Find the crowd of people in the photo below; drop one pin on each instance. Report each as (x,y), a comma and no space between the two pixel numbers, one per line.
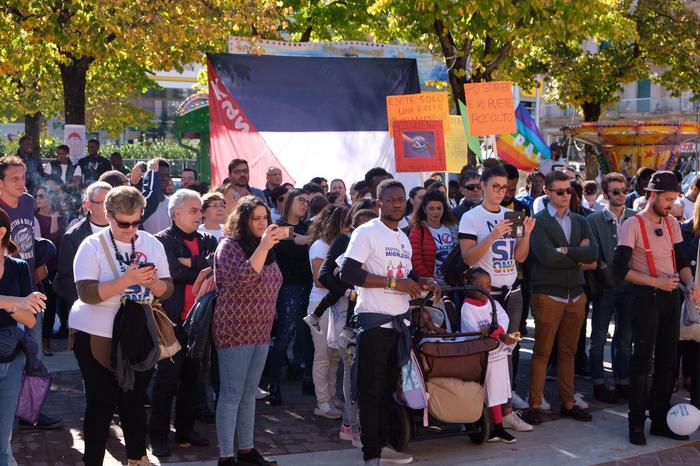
(261,282)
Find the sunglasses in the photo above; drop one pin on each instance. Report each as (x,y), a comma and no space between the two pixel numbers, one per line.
(471,187)
(562,191)
(617,192)
(125,225)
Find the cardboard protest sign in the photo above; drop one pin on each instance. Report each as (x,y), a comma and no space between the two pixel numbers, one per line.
(491,108)
(424,106)
(419,145)
(455,146)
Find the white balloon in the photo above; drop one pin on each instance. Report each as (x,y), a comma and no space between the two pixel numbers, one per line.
(683,419)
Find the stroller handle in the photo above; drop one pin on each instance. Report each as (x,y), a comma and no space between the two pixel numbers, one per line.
(466,288)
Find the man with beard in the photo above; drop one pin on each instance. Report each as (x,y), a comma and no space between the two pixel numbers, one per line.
(650,256)
(239,175)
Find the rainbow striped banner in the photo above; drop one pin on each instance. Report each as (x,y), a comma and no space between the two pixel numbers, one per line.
(525,148)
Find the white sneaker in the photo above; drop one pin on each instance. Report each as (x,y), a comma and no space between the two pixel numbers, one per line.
(327,411)
(356,440)
(544,406)
(313,322)
(579,401)
(345,432)
(517,401)
(261,394)
(391,456)
(515,422)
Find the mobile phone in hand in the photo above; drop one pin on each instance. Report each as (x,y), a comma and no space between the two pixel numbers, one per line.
(517,219)
(286,232)
(144,265)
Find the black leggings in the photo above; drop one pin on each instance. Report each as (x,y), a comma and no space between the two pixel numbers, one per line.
(102,394)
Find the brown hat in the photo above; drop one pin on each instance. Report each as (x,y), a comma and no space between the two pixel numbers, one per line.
(664,181)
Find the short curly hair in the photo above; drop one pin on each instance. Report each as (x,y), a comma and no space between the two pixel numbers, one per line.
(124,200)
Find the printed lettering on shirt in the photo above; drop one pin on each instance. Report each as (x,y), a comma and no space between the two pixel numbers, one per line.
(502,252)
(137,293)
(23,235)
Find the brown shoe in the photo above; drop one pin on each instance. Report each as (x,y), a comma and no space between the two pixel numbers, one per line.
(533,416)
(576,413)
(602,393)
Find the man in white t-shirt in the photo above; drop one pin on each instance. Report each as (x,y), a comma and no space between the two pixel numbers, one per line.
(378,263)
(687,200)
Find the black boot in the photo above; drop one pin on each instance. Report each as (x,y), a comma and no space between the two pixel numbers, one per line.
(275,396)
(254,458)
(229,461)
(637,435)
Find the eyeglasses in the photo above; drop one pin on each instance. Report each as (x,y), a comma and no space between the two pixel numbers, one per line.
(303,200)
(126,225)
(499,188)
(560,192)
(617,192)
(471,187)
(96,203)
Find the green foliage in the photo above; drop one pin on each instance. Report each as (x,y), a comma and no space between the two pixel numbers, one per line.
(139,151)
(650,39)
(58,56)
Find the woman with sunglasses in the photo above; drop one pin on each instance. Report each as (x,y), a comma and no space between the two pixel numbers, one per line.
(119,263)
(52,226)
(486,241)
(293,300)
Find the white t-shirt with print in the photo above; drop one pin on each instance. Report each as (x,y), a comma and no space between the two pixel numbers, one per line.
(318,250)
(499,260)
(444,242)
(91,263)
(384,252)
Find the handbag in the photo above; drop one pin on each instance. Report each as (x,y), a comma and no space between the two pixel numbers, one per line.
(168,343)
(32,396)
(454,268)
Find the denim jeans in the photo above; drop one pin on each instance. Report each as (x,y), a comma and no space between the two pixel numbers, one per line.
(609,303)
(292,303)
(10,384)
(240,368)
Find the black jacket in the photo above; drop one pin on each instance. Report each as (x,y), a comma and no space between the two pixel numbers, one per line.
(200,343)
(173,240)
(64,283)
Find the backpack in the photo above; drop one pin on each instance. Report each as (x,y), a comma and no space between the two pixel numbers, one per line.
(454,268)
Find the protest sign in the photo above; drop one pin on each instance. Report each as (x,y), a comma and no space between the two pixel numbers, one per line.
(425,106)
(491,108)
(419,145)
(74,138)
(455,145)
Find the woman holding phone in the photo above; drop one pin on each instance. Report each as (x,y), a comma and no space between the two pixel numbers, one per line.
(119,263)
(248,280)
(486,241)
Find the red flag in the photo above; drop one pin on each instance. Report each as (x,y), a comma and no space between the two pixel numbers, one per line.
(233,135)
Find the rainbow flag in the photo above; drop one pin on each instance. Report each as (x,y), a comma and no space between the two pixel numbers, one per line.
(525,148)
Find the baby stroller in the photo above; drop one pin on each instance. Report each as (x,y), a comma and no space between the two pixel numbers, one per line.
(453,366)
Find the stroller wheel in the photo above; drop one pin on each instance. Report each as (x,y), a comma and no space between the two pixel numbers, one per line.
(480,430)
(399,434)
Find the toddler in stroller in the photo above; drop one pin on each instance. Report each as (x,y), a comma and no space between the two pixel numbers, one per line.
(476,317)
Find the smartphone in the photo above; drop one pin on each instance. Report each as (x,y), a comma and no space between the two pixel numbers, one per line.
(517,219)
(144,265)
(286,232)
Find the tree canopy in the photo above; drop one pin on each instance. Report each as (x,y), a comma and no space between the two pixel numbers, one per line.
(69,56)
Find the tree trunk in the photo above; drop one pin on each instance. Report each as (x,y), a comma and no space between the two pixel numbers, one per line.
(74,80)
(33,126)
(591,113)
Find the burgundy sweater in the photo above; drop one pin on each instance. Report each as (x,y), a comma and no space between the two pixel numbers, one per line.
(245,304)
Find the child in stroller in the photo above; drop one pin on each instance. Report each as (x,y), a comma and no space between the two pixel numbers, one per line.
(476,317)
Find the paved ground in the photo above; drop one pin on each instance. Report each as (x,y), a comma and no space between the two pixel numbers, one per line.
(294,436)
